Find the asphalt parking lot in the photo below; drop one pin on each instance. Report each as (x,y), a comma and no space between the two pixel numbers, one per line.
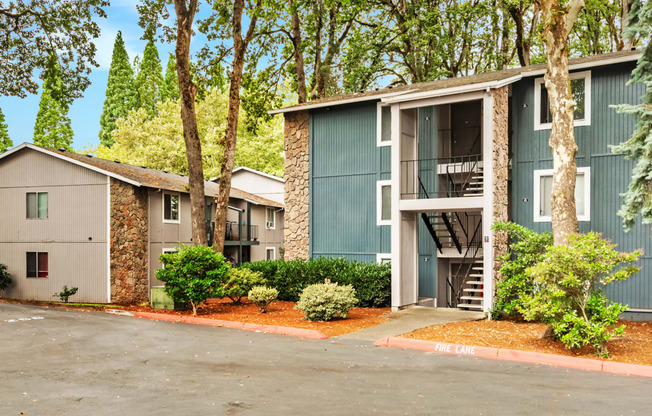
(56,362)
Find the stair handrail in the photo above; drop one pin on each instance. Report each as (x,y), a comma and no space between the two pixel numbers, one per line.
(464,260)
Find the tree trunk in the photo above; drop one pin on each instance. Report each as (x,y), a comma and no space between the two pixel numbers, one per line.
(522,46)
(231,135)
(298,55)
(626,6)
(187,89)
(558,25)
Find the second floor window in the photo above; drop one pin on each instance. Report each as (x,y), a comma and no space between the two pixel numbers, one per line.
(170,208)
(581,91)
(37,205)
(270,218)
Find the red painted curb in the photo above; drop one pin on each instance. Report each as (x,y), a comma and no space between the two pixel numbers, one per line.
(518,356)
(270,329)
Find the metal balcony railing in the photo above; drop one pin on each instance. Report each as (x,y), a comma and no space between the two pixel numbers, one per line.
(446,177)
(241,232)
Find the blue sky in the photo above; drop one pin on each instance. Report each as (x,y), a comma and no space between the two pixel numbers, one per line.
(85,112)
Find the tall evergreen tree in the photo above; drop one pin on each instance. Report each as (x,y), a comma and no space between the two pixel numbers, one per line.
(52,127)
(638,198)
(5,140)
(121,93)
(170,90)
(149,81)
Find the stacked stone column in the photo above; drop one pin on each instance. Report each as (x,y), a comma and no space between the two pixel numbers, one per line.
(500,172)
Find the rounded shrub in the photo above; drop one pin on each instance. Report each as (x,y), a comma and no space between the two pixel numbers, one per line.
(239,282)
(262,296)
(5,277)
(324,301)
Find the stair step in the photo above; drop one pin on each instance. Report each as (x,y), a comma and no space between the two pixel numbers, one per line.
(469,306)
(472,290)
(471,298)
(476,275)
(474,282)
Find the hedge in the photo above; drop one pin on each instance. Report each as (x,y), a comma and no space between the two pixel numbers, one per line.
(371,281)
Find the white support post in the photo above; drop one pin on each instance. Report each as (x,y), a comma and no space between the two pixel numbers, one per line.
(488,195)
(395,212)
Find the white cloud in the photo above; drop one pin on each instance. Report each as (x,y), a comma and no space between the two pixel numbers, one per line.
(105,42)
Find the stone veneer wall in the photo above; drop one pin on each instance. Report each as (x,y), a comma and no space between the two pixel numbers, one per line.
(501,172)
(297,180)
(129,242)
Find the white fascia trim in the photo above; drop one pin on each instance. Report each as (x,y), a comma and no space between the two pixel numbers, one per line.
(536,198)
(585,65)
(69,160)
(379,202)
(383,256)
(257,172)
(471,203)
(379,126)
(586,121)
(108,240)
(178,220)
(338,102)
(252,202)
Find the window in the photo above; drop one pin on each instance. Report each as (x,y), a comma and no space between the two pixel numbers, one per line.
(384,125)
(382,258)
(581,89)
(37,205)
(170,208)
(167,251)
(384,202)
(543,190)
(37,264)
(270,218)
(270,253)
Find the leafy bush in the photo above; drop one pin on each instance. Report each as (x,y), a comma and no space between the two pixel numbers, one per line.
(371,281)
(527,249)
(322,302)
(65,293)
(5,277)
(262,296)
(193,274)
(565,295)
(240,281)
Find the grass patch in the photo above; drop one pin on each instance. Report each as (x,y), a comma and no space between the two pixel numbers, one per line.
(97,305)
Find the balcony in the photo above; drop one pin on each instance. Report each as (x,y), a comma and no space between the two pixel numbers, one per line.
(448,177)
(236,234)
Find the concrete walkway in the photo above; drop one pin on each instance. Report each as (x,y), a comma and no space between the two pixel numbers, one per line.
(414,318)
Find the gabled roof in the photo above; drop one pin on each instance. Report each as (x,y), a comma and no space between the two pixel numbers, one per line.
(138,175)
(257,172)
(493,79)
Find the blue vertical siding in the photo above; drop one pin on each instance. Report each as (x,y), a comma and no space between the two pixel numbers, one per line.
(610,174)
(345,164)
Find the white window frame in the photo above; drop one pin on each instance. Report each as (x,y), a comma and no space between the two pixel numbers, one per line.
(273,249)
(178,220)
(47,208)
(586,171)
(586,121)
(379,126)
(167,251)
(379,202)
(273,222)
(380,257)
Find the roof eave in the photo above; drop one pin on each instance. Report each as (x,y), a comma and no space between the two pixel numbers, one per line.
(375,97)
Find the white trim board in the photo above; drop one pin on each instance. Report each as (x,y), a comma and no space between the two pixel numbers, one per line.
(379,125)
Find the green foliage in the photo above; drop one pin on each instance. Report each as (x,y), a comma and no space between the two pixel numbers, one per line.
(638,198)
(323,302)
(52,127)
(31,31)
(121,93)
(149,81)
(170,87)
(65,293)
(5,140)
(239,283)
(567,290)
(262,296)
(193,274)
(527,249)
(5,277)
(372,282)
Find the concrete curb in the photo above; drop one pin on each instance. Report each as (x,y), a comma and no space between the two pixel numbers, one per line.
(270,329)
(518,356)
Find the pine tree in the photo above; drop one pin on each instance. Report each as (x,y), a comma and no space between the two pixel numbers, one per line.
(121,93)
(52,127)
(149,81)
(170,90)
(5,140)
(638,198)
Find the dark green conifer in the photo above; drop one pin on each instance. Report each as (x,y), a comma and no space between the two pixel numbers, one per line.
(149,81)
(5,140)
(170,90)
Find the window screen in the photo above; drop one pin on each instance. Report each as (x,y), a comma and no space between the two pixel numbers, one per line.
(386,123)
(386,200)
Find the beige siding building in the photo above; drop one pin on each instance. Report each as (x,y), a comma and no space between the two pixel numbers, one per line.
(99,225)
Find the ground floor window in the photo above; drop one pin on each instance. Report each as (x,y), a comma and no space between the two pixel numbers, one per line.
(270,253)
(543,191)
(384,202)
(37,264)
(382,258)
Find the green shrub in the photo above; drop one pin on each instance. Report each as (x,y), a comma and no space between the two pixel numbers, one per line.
(239,282)
(193,274)
(527,249)
(5,277)
(65,293)
(371,281)
(323,302)
(262,296)
(567,291)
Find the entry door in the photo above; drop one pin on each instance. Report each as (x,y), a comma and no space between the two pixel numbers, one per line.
(427,276)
